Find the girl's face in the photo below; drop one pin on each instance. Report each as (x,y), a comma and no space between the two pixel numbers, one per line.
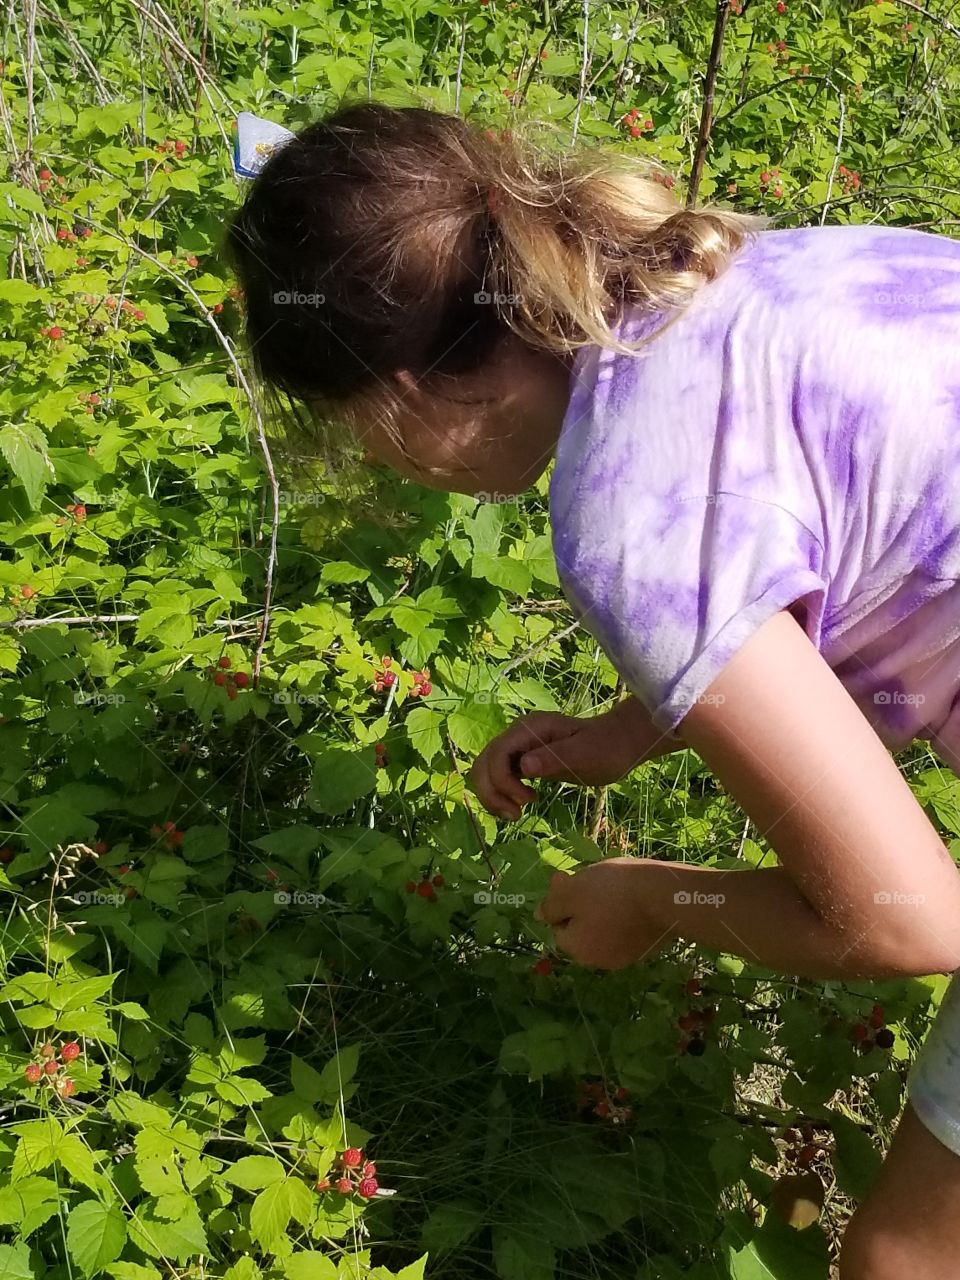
(490,434)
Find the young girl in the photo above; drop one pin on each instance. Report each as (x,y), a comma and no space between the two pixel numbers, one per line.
(755,508)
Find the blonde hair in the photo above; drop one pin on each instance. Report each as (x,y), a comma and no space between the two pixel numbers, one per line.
(399,216)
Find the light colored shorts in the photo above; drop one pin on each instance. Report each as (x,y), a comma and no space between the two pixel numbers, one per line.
(933,1085)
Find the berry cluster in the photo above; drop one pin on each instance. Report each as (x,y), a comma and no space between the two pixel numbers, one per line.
(694,1022)
(126,307)
(178,148)
(381,753)
(768,176)
(53,1069)
(170,832)
(356,1174)
(665,180)
(736,7)
(877,1022)
(46,177)
(804,1147)
(544,966)
(224,678)
(21,593)
(594,1095)
(629,121)
(384,678)
(781,6)
(53,332)
(421,683)
(850,179)
(427,887)
(91,399)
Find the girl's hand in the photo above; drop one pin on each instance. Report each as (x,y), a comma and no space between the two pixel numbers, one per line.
(607,914)
(591,751)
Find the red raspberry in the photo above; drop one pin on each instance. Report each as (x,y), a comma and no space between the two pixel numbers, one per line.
(51,1067)
(241,680)
(220,678)
(179,147)
(379,748)
(765,177)
(176,838)
(344,1186)
(62,233)
(426,688)
(648,123)
(602,1109)
(806,1155)
(369,1169)
(232,692)
(124,869)
(130,892)
(782,46)
(693,987)
(323,1185)
(425,889)
(217,308)
(101,847)
(438,880)
(386,661)
(688,1021)
(79,513)
(877,1020)
(27,591)
(352,1158)
(45,175)
(544,967)
(6,855)
(55,333)
(47,1050)
(621,1094)
(859,1032)
(223,662)
(156,830)
(193,261)
(169,826)
(410,887)
(368,1187)
(388,679)
(781,7)
(777,193)
(635,131)
(33,1073)
(708,1014)
(70,1051)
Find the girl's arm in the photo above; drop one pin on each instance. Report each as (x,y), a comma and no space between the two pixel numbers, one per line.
(865,886)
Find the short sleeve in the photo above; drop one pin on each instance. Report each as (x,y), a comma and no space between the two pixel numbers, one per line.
(674,586)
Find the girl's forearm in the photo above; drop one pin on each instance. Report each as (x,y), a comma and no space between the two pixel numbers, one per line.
(631,718)
(760,914)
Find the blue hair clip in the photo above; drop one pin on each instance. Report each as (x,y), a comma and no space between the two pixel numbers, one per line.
(254,142)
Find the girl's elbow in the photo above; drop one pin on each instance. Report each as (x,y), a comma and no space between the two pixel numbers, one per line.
(917,956)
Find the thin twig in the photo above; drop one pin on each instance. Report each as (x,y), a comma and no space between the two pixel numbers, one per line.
(584,62)
(836,158)
(709,89)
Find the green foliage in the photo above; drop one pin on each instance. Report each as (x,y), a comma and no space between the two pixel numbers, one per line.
(207,887)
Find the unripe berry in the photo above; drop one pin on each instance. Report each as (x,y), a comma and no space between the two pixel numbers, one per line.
(352,1158)
(33,1073)
(344,1186)
(51,1067)
(621,1094)
(70,1051)
(438,880)
(66,1088)
(323,1185)
(47,1050)
(386,661)
(27,591)
(410,887)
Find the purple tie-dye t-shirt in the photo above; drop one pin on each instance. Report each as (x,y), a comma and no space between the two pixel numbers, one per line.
(792,440)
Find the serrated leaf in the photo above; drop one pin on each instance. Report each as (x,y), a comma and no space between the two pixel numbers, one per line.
(15,1262)
(96,1233)
(28,462)
(254,1173)
(340,779)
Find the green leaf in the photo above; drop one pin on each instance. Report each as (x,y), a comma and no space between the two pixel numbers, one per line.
(475,722)
(857,1160)
(340,779)
(95,1235)
(253,1173)
(27,460)
(273,1208)
(15,1262)
(309,1266)
(520,1255)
